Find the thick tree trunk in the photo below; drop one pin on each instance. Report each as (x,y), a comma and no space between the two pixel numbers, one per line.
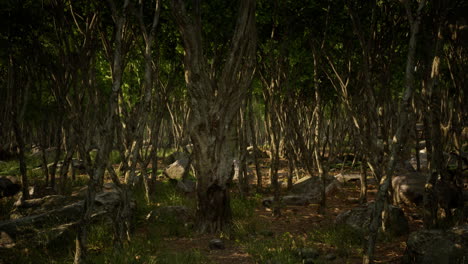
(214,209)
(214,105)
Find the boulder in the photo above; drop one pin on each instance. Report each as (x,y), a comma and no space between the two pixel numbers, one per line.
(175,157)
(359,218)
(178,169)
(292,200)
(8,186)
(216,244)
(437,246)
(34,217)
(310,185)
(408,188)
(348,177)
(186,186)
(177,214)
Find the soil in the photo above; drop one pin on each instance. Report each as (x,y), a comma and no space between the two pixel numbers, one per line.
(298,221)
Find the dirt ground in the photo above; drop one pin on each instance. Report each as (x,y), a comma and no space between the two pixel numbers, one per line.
(298,221)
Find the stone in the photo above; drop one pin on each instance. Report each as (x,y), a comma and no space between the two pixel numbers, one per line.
(291,200)
(437,246)
(33,217)
(177,170)
(359,218)
(186,186)
(308,253)
(330,257)
(9,186)
(409,188)
(348,177)
(178,214)
(216,244)
(175,157)
(310,185)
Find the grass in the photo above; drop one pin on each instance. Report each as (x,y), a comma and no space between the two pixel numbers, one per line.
(279,249)
(345,240)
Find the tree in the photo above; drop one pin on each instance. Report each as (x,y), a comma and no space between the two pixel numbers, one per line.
(215,99)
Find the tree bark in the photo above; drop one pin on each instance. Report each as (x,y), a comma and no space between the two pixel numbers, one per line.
(215,101)
(400,137)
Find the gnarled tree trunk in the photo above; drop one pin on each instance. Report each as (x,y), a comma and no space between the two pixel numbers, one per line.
(215,101)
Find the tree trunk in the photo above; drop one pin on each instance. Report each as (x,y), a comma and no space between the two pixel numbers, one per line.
(254,145)
(214,105)
(363,192)
(21,158)
(437,158)
(400,137)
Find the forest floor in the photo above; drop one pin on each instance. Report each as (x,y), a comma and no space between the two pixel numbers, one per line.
(256,236)
(298,226)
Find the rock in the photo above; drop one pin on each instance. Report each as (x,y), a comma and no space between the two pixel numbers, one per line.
(177,170)
(175,157)
(309,185)
(64,212)
(178,214)
(409,188)
(332,188)
(291,200)
(187,186)
(8,186)
(359,218)
(216,244)
(437,246)
(330,257)
(308,253)
(347,177)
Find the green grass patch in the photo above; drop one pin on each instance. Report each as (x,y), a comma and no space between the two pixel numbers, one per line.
(344,239)
(279,249)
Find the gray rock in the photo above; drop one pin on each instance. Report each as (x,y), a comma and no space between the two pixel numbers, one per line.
(310,185)
(187,186)
(216,244)
(347,177)
(175,157)
(359,218)
(308,253)
(291,200)
(437,246)
(330,257)
(35,216)
(177,170)
(409,188)
(178,214)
